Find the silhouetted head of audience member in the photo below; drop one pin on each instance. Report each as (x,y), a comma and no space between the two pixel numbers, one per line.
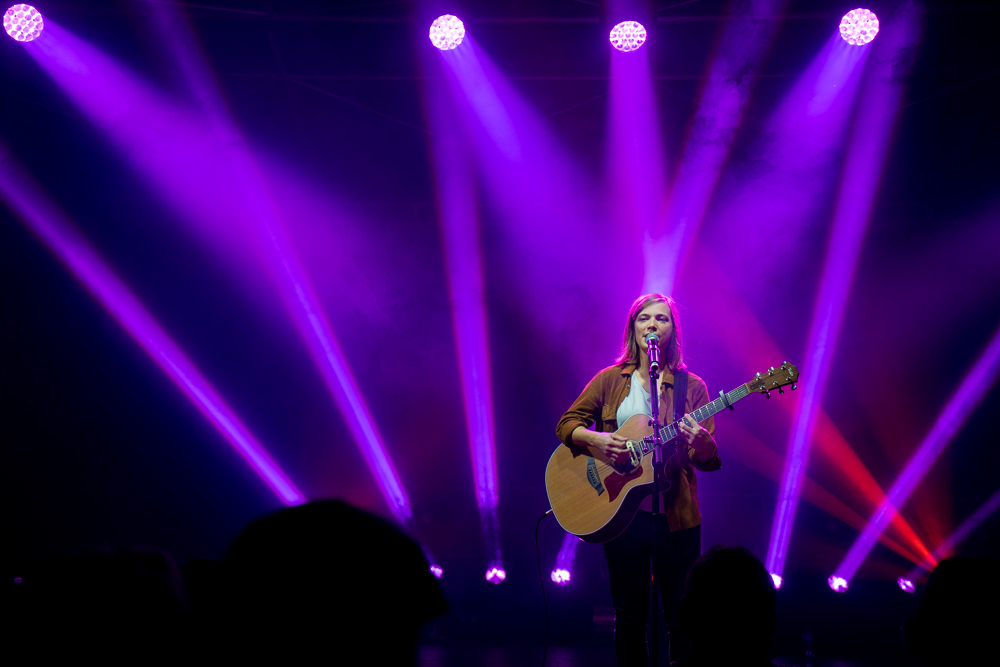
(327,582)
(957,614)
(727,612)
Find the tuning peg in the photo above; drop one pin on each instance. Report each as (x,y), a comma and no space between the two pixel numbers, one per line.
(771,369)
(781,391)
(794,387)
(767,394)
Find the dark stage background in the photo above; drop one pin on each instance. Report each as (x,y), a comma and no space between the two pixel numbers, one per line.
(102,449)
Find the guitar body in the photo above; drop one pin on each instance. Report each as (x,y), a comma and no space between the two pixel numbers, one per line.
(588,496)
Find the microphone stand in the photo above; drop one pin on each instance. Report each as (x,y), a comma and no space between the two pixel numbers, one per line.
(653,353)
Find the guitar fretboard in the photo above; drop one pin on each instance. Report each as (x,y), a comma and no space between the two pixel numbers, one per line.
(671,431)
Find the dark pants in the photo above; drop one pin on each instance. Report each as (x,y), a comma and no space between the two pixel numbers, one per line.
(629,556)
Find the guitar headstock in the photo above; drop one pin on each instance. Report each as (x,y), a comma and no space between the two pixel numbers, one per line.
(774,378)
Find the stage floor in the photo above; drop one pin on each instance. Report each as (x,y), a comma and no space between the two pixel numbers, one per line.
(590,656)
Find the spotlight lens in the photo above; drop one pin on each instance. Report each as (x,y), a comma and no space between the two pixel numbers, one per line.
(560,576)
(628,36)
(838,584)
(776,578)
(496,575)
(23,23)
(437,571)
(859,27)
(447,32)
(906,585)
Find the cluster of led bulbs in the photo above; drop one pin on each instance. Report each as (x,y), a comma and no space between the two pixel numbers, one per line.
(23,23)
(859,26)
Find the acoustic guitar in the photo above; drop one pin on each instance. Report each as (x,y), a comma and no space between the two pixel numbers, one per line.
(596,500)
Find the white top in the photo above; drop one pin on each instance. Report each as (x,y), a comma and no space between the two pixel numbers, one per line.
(636,403)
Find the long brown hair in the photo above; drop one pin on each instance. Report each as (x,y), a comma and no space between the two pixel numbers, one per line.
(630,346)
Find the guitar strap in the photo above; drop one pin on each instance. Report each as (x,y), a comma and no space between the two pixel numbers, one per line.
(680,392)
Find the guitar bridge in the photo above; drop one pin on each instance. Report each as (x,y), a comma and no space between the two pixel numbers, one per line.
(634,448)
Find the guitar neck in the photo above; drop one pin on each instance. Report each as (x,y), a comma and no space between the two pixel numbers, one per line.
(671,431)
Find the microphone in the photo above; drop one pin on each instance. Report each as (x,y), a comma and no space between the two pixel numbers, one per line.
(653,351)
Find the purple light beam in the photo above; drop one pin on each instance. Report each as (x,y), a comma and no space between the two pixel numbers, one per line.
(968,397)
(795,155)
(866,156)
(479,92)
(27,201)
(460,233)
(635,160)
(721,106)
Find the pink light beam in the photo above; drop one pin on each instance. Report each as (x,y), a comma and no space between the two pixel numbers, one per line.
(460,233)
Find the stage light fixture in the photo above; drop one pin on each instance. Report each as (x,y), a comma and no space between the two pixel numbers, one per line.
(859,26)
(564,561)
(628,36)
(838,584)
(23,23)
(906,585)
(496,574)
(437,571)
(447,32)
(776,578)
